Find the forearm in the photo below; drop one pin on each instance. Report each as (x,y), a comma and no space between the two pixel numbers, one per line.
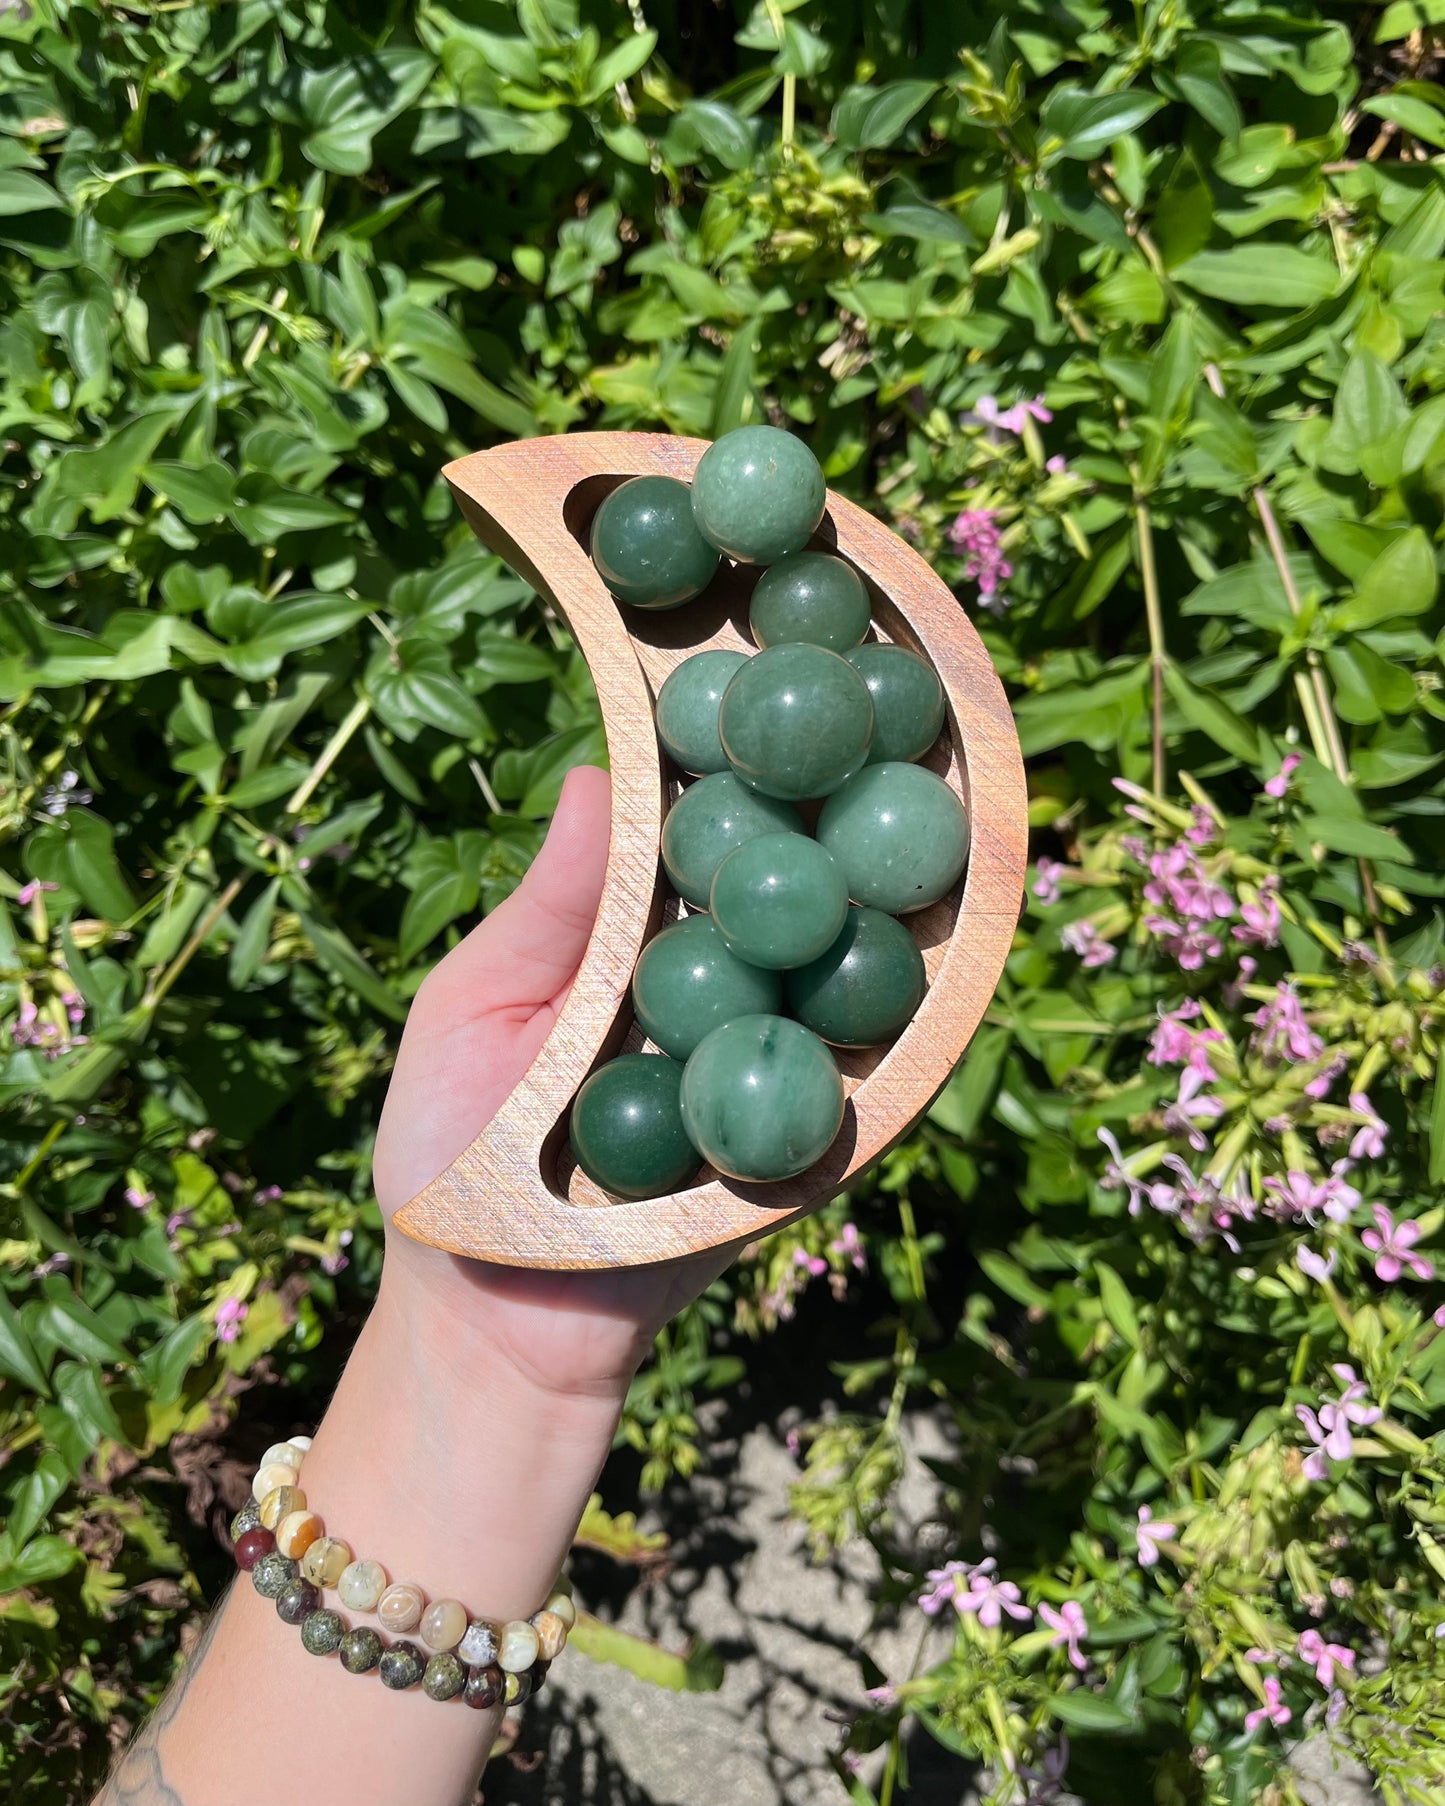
(454,1472)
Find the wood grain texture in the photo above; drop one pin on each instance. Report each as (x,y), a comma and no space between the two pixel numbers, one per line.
(514,1195)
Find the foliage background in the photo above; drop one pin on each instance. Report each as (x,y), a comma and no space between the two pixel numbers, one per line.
(272,730)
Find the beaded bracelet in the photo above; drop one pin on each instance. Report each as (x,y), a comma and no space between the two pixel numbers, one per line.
(284,1547)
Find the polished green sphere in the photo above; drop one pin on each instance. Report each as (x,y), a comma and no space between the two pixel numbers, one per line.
(778,901)
(707,821)
(796,721)
(762,1098)
(907,701)
(687,706)
(627,1131)
(646,546)
(757,494)
(899,834)
(865,987)
(810,596)
(688,982)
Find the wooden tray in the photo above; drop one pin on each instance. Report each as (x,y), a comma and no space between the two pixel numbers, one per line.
(514,1195)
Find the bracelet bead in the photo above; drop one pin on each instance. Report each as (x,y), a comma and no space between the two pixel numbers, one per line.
(300,1442)
(443,1624)
(279,1503)
(297,1531)
(360,1650)
(519,1646)
(322,1631)
(401,1606)
(538,1672)
(272,1474)
(251,1546)
(485,1686)
(247,1518)
(282,1451)
(517,1687)
(402,1665)
(562,1604)
(325,1561)
(361,1585)
(445,1676)
(273,1574)
(551,1633)
(297,1602)
(482,1643)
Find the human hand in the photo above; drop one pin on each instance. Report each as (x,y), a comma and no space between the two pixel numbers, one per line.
(475,1027)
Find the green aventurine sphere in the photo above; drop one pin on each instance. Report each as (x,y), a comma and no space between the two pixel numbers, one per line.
(907,701)
(899,834)
(810,596)
(646,546)
(757,494)
(688,983)
(687,706)
(796,721)
(762,1098)
(778,901)
(707,821)
(627,1131)
(865,987)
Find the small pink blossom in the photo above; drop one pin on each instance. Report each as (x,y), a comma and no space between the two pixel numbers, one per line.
(1283,1030)
(848,1245)
(1184,1116)
(1174,1043)
(1314,1266)
(1084,939)
(1260,920)
(1369,1139)
(990,1598)
(1233,992)
(268,1194)
(814,1263)
(1391,1243)
(53,1264)
(29,892)
(943,1587)
(1324,1657)
(1149,1535)
(1279,783)
(1069,1626)
(793,1443)
(176,1221)
(138,1200)
(1299,1196)
(1329,1429)
(1203,826)
(1057,465)
(976,534)
(1046,884)
(229,1319)
(1049,1775)
(1319,1086)
(884,1697)
(333,1263)
(1273,1709)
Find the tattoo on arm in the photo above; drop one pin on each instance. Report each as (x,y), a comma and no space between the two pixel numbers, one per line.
(139,1776)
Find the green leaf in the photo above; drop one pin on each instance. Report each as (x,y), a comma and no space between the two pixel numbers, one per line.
(1118,1305)
(268,509)
(1210,713)
(248,949)
(1403,580)
(1436,1173)
(1363,839)
(43,1558)
(20,192)
(68,1322)
(18,1360)
(640,1656)
(164,1366)
(334,951)
(1260,275)
(443,891)
(1368,409)
(1420,118)
(1092,1712)
(1086,124)
(350,102)
(32,1497)
(888,112)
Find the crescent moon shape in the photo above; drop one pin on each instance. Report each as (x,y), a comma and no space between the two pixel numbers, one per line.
(514,1195)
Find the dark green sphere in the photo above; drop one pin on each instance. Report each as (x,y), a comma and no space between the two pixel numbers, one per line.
(627,1133)
(907,701)
(707,821)
(757,494)
(360,1650)
(865,987)
(810,596)
(322,1631)
(687,706)
(402,1665)
(899,834)
(796,721)
(762,1098)
(779,901)
(445,1676)
(687,983)
(646,546)
(273,1574)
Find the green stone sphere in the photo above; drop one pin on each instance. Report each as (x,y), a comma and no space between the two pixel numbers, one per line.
(686,712)
(810,596)
(627,1132)
(865,987)
(779,901)
(907,701)
(796,721)
(762,1098)
(402,1665)
(274,1573)
(322,1631)
(899,834)
(360,1650)
(757,494)
(445,1676)
(707,821)
(646,546)
(687,983)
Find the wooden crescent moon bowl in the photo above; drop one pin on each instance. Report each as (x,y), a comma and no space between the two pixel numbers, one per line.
(515,1195)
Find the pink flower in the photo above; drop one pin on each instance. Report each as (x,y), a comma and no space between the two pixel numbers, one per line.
(884,1697)
(1392,1242)
(1279,783)
(1057,465)
(1233,992)
(1319,1085)
(1299,1195)
(793,1443)
(943,1587)
(333,1263)
(975,533)
(1329,1431)
(1116,1173)
(176,1221)
(1369,1140)
(1188,946)
(1010,420)
(1273,1708)
(1324,1657)
(849,1246)
(1203,826)
(268,1194)
(138,1200)
(1189,1110)
(1149,1535)
(1313,1265)
(1053,1766)
(1283,1029)
(1084,939)
(1069,1625)
(1046,884)
(52,1265)
(229,1319)
(990,1598)
(1260,920)
(1174,1043)
(29,892)
(814,1263)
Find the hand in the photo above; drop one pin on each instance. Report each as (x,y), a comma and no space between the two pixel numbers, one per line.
(475,1026)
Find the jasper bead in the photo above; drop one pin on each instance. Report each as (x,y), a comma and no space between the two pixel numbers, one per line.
(401,1606)
(865,987)
(520,1644)
(303,1443)
(779,901)
(279,1503)
(270,1475)
(286,1453)
(273,1574)
(251,1545)
(479,1646)
(360,1650)
(361,1584)
(297,1602)
(687,982)
(517,1687)
(562,1604)
(796,721)
(551,1634)
(899,834)
(757,494)
(686,711)
(484,1687)
(297,1531)
(707,821)
(445,1676)
(626,1130)
(247,1518)
(810,596)
(762,1098)
(402,1665)
(325,1561)
(322,1631)
(647,547)
(907,701)
(443,1624)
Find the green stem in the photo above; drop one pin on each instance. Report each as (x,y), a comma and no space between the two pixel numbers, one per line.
(337,744)
(1155,617)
